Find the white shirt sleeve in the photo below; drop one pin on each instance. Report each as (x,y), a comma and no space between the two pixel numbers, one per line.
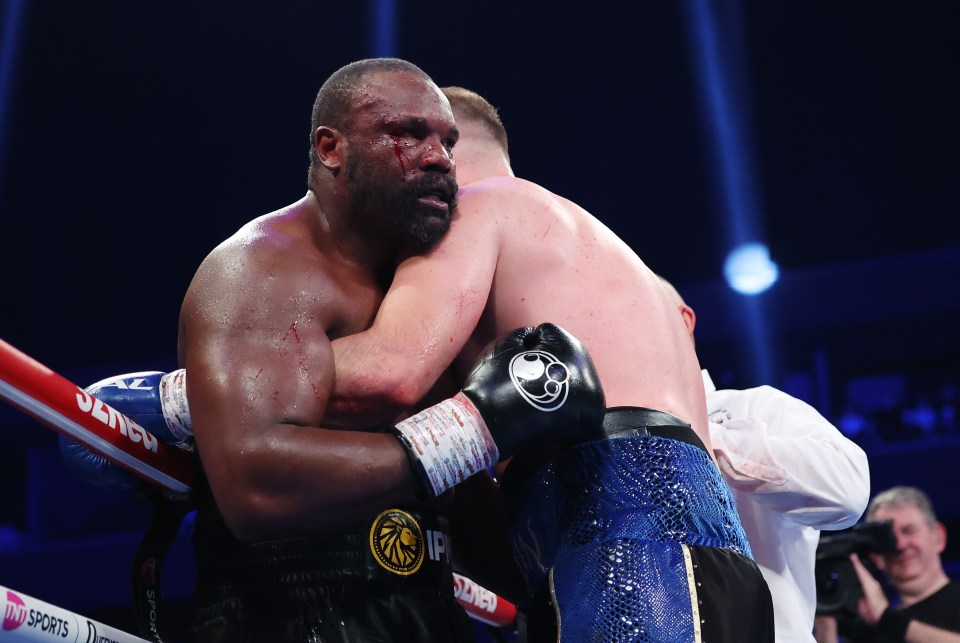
(787,456)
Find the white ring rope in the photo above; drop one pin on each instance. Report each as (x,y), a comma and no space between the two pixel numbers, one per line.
(29,619)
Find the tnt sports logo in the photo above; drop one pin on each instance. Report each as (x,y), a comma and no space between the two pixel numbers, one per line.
(16,612)
(541,379)
(397,542)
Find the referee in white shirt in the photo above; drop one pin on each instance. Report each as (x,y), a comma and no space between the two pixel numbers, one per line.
(793,474)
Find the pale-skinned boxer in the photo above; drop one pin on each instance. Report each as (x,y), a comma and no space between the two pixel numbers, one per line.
(630,538)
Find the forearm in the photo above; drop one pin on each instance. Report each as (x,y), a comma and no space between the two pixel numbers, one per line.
(893,624)
(307,481)
(918,632)
(374,385)
(424,321)
(896,626)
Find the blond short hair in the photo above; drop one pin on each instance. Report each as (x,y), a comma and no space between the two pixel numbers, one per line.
(479,109)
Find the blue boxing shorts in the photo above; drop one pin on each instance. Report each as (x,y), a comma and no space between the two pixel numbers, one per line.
(634,537)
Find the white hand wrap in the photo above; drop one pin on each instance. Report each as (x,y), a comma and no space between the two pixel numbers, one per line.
(449,442)
(173,403)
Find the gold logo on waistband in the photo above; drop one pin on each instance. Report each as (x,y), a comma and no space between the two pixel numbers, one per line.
(396,541)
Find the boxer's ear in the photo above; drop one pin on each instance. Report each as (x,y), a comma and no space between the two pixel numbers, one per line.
(329,144)
(689,318)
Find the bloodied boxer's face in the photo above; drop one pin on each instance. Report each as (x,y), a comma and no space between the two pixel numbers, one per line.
(399,166)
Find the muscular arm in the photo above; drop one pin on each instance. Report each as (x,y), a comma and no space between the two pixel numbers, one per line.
(425,320)
(261,370)
(789,457)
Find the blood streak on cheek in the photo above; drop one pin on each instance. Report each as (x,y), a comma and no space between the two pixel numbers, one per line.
(398,150)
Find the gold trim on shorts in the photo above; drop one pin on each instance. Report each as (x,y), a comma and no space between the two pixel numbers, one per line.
(692,589)
(556,604)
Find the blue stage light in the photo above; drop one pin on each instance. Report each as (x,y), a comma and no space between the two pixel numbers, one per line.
(383,28)
(749,269)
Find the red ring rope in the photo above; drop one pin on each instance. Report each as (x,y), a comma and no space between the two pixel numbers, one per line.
(63,406)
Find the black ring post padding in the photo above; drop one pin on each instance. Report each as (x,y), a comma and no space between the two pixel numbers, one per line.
(148,563)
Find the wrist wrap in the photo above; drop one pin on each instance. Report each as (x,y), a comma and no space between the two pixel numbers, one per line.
(448,443)
(173,404)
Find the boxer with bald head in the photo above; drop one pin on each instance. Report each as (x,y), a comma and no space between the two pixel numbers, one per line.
(313,527)
(255,331)
(629,536)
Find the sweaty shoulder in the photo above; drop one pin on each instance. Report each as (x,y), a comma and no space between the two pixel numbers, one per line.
(269,257)
(531,217)
(508,196)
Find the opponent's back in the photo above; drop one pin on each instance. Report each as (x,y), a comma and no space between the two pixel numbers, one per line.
(556,262)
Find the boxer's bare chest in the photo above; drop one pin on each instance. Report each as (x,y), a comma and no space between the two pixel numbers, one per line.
(346,301)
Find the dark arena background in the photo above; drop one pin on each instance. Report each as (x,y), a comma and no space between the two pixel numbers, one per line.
(134,136)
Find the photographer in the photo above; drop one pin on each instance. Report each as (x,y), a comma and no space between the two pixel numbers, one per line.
(929,609)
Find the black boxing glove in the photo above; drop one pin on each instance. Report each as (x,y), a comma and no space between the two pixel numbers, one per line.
(530,386)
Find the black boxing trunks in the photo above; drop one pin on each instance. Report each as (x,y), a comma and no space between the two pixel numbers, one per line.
(634,537)
(390,580)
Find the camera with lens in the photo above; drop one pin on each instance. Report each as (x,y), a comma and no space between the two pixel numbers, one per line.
(838,588)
